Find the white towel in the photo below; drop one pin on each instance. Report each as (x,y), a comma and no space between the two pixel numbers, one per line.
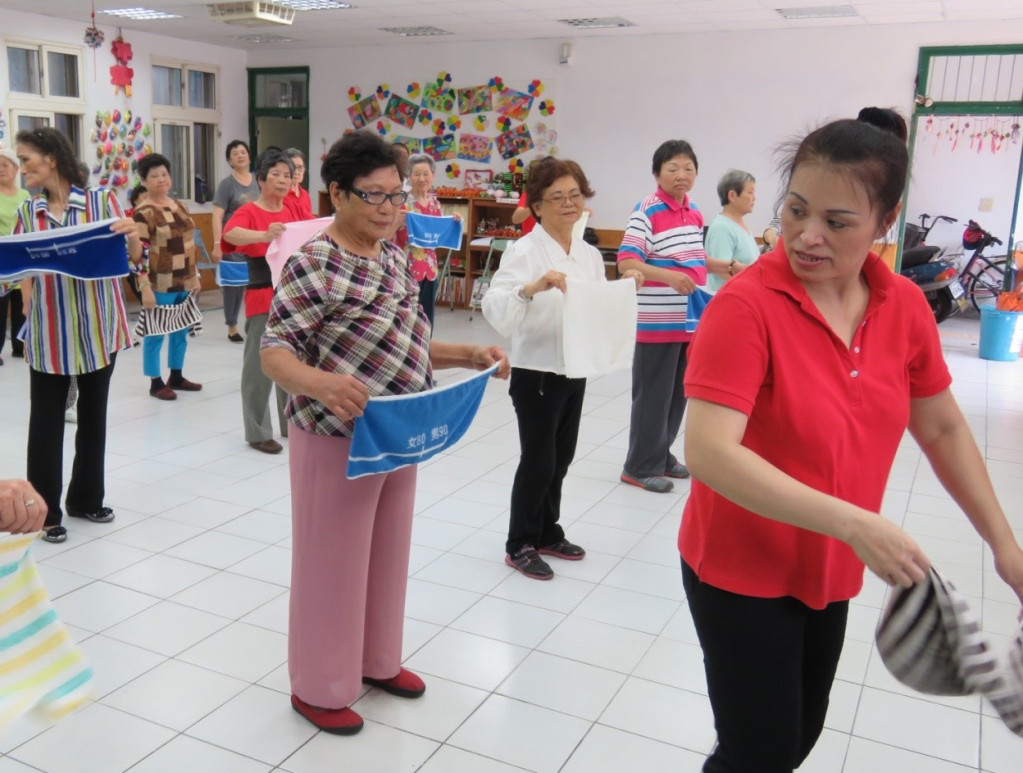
(598,327)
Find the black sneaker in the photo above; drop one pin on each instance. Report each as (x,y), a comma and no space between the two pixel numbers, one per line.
(528,561)
(103,515)
(563,549)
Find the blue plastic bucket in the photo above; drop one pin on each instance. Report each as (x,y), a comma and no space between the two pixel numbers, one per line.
(1001,334)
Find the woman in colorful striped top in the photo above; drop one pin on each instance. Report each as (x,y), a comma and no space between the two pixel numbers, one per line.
(75,329)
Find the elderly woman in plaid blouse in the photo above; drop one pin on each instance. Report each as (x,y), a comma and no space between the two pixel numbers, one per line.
(346,323)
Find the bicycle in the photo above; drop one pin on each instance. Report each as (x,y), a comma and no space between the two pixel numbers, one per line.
(982,276)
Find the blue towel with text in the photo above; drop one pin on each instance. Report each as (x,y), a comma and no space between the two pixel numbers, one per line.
(398,430)
(89,251)
(430,232)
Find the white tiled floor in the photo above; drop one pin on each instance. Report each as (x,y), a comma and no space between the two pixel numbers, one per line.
(181,603)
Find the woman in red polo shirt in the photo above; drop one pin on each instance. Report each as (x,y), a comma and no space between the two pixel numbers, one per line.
(805,372)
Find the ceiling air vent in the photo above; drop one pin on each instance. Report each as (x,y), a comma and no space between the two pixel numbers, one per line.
(252,13)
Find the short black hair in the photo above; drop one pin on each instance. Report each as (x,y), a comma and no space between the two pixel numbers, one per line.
(671,148)
(356,155)
(150,162)
(234,144)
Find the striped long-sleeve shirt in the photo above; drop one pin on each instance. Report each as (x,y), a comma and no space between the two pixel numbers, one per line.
(74,325)
(667,234)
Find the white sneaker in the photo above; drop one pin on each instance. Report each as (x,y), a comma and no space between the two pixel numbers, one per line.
(71,416)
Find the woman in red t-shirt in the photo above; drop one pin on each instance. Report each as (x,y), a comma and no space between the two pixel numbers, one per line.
(249,231)
(804,374)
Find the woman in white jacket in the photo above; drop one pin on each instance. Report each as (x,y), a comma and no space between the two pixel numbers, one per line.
(524,302)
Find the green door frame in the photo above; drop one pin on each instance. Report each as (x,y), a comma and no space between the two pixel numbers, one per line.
(276,112)
(1008,107)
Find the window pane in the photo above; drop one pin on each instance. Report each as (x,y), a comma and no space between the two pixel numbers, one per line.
(281,90)
(71,127)
(30,122)
(175,144)
(62,74)
(166,85)
(204,151)
(23,70)
(202,89)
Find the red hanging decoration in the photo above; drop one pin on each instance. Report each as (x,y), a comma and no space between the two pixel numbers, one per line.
(121,74)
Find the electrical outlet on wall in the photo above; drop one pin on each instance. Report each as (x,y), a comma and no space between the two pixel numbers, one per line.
(986,204)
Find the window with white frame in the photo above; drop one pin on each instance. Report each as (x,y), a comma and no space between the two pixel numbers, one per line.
(44,87)
(186,115)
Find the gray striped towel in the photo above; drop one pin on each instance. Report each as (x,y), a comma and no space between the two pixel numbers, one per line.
(930,640)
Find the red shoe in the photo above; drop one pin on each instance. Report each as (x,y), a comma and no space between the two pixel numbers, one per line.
(404,685)
(184,385)
(337,721)
(163,393)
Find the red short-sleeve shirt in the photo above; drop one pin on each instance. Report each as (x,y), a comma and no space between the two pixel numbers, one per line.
(828,415)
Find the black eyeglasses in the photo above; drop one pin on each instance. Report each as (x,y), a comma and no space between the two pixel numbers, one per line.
(376,198)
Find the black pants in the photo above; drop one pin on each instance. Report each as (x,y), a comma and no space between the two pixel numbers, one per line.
(48,394)
(427,295)
(548,407)
(770,664)
(13,301)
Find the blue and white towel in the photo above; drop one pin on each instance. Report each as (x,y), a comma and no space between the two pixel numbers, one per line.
(398,430)
(431,232)
(90,251)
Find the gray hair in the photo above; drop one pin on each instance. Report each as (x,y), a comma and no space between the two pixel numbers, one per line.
(270,158)
(421,158)
(733,180)
(294,153)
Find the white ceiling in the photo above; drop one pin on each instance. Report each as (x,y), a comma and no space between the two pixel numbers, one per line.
(481,20)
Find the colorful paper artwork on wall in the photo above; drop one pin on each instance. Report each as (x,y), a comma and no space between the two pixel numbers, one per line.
(475,147)
(475,99)
(515,142)
(513,104)
(440,148)
(437,97)
(401,111)
(496,127)
(364,112)
(414,144)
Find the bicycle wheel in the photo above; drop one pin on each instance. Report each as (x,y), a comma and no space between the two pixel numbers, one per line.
(985,286)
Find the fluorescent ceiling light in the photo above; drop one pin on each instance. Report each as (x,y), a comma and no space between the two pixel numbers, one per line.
(140,14)
(265,39)
(605,22)
(315,5)
(818,12)
(416,32)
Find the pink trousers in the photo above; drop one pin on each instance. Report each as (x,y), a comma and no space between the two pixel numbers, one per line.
(349,571)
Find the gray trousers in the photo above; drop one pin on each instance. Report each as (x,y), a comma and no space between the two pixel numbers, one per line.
(233,297)
(658,402)
(256,388)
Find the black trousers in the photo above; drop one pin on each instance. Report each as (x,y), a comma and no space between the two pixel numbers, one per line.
(770,665)
(548,407)
(427,296)
(48,395)
(13,301)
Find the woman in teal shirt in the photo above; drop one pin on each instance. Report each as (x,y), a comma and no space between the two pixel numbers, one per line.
(729,242)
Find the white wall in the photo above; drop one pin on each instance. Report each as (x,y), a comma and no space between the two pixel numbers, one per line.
(952,182)
(99,93)
(733,95)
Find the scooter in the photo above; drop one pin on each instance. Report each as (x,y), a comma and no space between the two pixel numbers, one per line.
(933,269)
